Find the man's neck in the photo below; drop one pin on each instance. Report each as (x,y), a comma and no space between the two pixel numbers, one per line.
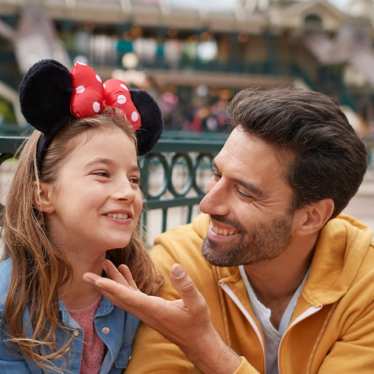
(276,280)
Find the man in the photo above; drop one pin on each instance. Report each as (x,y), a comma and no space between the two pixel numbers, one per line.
(271,279)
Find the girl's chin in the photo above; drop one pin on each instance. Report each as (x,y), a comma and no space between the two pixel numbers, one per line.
(120,244)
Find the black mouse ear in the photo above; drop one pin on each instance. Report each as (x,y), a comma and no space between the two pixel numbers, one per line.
(45,93)
(152,124)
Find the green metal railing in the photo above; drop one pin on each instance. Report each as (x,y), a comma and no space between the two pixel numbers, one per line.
(185,168)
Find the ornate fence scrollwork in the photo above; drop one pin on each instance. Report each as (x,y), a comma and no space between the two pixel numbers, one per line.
(185,168)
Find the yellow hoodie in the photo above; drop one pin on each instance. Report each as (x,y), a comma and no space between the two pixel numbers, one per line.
(332,327)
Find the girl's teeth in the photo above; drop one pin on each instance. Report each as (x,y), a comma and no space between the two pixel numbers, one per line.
(119,217)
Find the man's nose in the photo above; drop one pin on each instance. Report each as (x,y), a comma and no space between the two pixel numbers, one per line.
(215,202)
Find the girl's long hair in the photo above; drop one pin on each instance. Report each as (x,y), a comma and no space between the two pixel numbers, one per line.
(40,269)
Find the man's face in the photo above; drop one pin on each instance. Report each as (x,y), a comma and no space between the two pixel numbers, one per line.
(248,202)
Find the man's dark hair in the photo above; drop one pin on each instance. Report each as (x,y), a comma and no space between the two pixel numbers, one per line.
(329,159)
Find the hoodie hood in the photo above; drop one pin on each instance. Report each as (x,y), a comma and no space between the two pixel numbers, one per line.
(340,252)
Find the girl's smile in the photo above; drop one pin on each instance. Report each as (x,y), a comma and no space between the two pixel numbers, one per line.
(120,217)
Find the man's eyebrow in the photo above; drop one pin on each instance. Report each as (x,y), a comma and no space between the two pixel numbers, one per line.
(109,162)
(251,187)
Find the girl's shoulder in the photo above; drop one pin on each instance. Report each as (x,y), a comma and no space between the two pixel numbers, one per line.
(5,275)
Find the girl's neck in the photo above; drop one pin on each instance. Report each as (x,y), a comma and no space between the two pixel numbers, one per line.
(76,293)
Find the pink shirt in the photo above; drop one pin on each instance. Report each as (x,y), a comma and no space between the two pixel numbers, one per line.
(93,350)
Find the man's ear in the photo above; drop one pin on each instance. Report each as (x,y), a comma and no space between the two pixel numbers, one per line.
(312,217)
(43,197)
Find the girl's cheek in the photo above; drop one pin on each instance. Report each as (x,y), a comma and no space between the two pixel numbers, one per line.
(140,205)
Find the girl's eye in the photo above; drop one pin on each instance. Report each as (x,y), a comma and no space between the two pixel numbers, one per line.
(101,173)
(134,180)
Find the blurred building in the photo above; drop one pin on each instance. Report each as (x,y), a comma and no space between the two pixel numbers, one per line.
(194,55)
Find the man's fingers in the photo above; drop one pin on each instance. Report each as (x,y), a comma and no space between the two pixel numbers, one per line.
(91,278)
(125,271)
(113,273)
(182,282)
(130,299)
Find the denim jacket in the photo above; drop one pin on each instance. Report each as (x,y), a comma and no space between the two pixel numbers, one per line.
(115,328)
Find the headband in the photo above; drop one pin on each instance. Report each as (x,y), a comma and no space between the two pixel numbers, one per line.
(52,97)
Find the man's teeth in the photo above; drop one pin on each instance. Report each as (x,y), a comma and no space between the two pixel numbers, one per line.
(118,216)
(224,232)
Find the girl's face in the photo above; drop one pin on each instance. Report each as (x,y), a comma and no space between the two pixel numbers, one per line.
(96,201)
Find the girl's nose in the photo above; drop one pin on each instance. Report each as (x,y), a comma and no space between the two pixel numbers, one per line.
(124,191)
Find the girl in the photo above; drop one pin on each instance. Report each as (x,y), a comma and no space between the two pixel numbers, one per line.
(74,201)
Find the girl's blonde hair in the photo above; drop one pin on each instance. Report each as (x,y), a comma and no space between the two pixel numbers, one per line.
(39,269)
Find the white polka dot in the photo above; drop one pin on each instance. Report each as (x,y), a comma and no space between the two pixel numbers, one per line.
(104,85)
(98,78)
(80,89)
(121,99)
(134,116)
(124,87)
(96,106)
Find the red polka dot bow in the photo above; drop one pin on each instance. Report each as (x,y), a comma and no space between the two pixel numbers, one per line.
(90,96)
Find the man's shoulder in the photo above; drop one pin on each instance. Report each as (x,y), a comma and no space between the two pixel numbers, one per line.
(343,265)
(183,243)
(366,269)
(359,248)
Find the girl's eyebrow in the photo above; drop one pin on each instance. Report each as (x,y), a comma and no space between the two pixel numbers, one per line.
(100,160)
(109,162)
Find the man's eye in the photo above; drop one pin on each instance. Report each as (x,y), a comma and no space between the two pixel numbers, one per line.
(244,194)
(215,173)
(216,176)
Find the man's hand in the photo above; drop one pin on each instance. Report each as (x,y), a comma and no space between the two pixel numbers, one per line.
(185,322)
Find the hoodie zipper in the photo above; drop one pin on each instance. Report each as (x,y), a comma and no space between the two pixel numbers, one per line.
(309,312)
(249,318)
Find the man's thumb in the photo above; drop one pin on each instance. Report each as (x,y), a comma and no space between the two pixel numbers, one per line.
(182,282)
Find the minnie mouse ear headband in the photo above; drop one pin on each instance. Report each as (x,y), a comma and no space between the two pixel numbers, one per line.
(51,97)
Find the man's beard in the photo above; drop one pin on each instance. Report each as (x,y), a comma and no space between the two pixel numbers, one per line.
(264,242)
